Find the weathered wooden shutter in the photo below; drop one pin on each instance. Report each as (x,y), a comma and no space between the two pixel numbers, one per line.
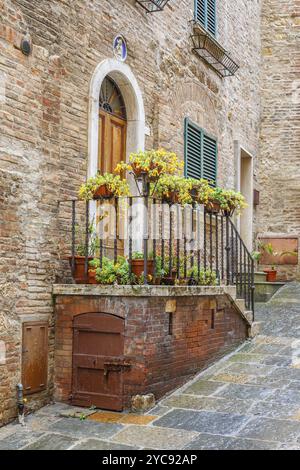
(34,356)
(209,159)
(193,145)
(205,14)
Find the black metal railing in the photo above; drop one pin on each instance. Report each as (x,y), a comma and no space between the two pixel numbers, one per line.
(186,244)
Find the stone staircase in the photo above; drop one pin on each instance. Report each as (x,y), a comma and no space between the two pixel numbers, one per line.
(264,290)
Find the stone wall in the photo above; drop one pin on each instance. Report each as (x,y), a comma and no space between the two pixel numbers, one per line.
(162,356)
(44,120)
(279,169)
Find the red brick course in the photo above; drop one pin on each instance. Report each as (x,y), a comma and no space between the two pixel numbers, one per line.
(203,329)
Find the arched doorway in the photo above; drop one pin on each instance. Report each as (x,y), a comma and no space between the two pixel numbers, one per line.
(112,126)
(126,83)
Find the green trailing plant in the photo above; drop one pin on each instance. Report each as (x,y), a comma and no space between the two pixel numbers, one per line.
(115,185)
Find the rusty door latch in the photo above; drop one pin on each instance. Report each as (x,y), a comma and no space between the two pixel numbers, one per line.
(115,367)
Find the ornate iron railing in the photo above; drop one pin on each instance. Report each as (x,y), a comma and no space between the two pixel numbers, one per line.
(152,6)
(187,245)
(210,50)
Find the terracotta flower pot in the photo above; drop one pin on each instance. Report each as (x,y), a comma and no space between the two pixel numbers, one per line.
(172,197)
(137,267)
(271,275)
(213,207)
(79,271)
(169,280)
(92,276)
(102,192)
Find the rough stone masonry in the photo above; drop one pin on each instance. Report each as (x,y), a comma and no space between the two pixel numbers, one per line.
(44,120)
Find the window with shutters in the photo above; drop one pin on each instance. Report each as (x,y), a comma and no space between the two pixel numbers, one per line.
(200,153)
(205,14)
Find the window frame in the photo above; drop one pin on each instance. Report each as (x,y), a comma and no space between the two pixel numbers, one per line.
(187,122)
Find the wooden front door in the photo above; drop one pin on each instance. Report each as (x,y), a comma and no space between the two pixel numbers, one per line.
(98,362)
(112,145)
(112,126)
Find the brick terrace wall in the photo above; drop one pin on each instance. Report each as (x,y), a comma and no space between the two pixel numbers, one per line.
(44,121)
(279,169)
(160,361)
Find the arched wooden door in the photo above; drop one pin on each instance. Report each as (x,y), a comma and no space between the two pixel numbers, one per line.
(98,361)
(112,142)
(112,127)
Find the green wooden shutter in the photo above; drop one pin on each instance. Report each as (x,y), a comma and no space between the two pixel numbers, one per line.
(205,14)
(200,153)
(211,16)
(209,159)
(193,145)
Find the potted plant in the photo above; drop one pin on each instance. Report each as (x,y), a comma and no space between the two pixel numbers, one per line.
(79,274)
(104,186)
(200,190)
(201,278)
(113,273)
(173,189)
(137,264)
(226,200)
(233,201)
(151,165)
(215,199)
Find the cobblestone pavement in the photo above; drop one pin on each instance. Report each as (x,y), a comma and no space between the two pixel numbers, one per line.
(248,400)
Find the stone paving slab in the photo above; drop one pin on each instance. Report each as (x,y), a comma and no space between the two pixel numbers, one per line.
(245,392)
(82,429)
(203,387)
(271,430)
(19,439)
(95,444)
(51,442)
(154,437)
(213,442)
(208,404)
(202,421)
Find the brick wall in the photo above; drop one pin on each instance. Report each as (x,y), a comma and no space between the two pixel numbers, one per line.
(44,119)
(279,170)
(203,329)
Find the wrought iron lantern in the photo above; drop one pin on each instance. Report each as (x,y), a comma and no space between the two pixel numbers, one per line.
(151,6)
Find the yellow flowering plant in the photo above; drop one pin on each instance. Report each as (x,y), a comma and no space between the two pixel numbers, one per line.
(229,200)
(153,163)
(200,190)
(173,189)
(106,185)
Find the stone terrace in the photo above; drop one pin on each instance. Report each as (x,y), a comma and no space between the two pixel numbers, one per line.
(248,400)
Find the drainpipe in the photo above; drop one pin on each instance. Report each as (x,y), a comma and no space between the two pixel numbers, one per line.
(20,404)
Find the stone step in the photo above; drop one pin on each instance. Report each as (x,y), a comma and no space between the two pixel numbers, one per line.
(249,315)
(264,291)
(241,304)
